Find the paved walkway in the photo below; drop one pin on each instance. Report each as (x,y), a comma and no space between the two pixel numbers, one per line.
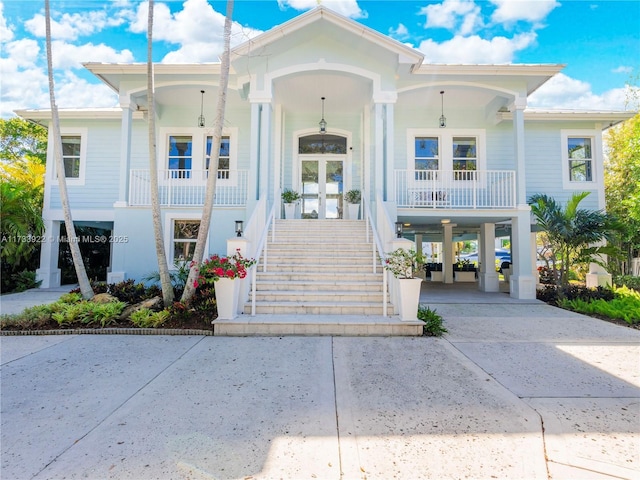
(516,390)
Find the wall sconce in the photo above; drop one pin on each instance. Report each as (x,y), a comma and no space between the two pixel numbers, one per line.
(399,229)
(201,117)
(443,119)
(323,124)
(239,226)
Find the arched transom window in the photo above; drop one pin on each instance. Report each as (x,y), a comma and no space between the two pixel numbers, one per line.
(317,143)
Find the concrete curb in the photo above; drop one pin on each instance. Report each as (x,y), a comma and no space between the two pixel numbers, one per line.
(107,331)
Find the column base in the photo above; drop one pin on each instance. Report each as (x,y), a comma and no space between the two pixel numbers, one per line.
(522,287)
(488,282)
(49,278)
(595,280)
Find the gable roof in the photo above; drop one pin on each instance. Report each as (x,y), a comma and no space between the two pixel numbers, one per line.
(406,54)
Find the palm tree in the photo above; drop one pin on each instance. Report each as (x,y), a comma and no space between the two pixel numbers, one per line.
(572,231)
(163,267)
(83,279)
(207,209)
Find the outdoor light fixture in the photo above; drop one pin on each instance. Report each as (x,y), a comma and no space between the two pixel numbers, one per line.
(444,221)
(443,119)
(323,124)
(399,229)
(201,117)
(239,225)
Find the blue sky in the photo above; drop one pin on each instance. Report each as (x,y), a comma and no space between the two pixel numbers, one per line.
(599,41)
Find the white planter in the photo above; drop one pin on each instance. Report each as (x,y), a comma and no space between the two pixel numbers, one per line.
(289,211)
(227,291)
(465,276)
(354,209)
(409,298)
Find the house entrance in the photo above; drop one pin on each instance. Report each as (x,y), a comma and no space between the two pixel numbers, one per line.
(322,188)
(322,159)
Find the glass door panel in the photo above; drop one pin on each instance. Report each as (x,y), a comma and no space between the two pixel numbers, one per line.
(322,188)
(333,189)
(310,189)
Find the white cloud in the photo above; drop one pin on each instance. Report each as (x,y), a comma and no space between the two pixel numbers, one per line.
(563,91)
(23,52)
(475,49)
(198,29)
(399,33)
(66,55)
(532,11)
(460,16)
(6,33)
(348,8)
(72,26)
(622,69)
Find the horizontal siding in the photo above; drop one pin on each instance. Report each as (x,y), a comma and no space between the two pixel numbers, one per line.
(100,189)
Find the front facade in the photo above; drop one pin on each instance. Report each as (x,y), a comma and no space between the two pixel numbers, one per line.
(448,150)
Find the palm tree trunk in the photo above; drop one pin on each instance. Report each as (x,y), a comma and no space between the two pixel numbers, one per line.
(207,209)
(163,268)
(83,280)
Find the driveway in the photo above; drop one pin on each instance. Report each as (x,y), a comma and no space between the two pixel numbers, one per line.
(514,391)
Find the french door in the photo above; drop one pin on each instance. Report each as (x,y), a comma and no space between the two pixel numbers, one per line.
(322,187)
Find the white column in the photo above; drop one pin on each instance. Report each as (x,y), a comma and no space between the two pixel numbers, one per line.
(254,150)
(522,283)
(598,275)
(448,254)
(378,154)
(49,273)
(265,148)
(389,153)
(125,150)
(518,132)
(534,257)
(488,277)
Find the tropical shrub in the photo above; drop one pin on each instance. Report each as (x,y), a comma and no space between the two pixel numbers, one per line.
(146,318)
(552,294)
(627,281)
(352,196)
(432,322)
(625,306)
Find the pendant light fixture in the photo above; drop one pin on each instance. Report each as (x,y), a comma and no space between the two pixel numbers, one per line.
(443,119)
(201,117)
(323,124)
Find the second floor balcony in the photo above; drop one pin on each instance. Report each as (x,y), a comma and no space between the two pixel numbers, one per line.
(455,189)
(188,187)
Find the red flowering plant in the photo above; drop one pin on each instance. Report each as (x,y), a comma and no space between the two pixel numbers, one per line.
(216,267)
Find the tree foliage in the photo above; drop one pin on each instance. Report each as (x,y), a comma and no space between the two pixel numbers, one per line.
(22,141)
(622,187)
(572,232)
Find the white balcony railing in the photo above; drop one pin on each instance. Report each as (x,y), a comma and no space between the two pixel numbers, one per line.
(188,187)
(457,189)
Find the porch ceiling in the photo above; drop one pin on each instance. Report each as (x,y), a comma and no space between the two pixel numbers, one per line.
(302,92)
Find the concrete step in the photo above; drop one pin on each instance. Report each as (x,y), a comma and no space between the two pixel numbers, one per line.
(327,325)
(312,296)
(322,277)
(318,308)
(310,285)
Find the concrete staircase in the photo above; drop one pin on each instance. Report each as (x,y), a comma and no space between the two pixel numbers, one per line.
(319,281)
(319,267)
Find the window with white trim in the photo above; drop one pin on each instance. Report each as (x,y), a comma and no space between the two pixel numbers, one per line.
(426,159)
(580,158)
(185,234)
(180,156)
(224,160)
(71,155)
(74,155)
(465,157)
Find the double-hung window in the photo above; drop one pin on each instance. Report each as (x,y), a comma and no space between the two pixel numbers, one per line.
(580,157)
(180,156)
(224,160)
(426,157)
(185,234)
(465,157)
(71,155)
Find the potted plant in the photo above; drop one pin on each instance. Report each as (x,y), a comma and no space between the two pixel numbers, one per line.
(464,271)
(403,264)
(289,197)
(353,197)
(222,273)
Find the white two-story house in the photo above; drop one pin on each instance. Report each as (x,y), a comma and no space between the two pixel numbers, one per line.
(444,149)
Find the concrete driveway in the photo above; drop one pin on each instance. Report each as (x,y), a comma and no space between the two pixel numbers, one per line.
(514,391)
